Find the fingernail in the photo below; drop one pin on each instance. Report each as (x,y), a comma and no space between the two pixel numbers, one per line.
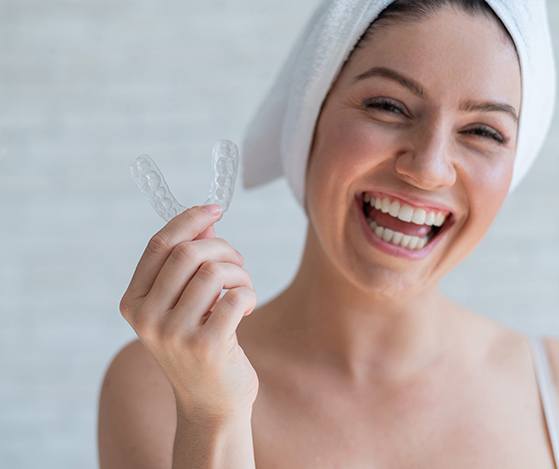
(213,209)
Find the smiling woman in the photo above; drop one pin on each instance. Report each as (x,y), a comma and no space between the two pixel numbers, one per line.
(424,122)
(429,153)
(401,128)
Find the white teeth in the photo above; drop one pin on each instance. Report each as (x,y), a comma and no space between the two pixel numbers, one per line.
(397,238)
(385,205)
(406,212)
(430,218)
(387,235)
(394,208)
(419,216)
(439,220)
(405,241)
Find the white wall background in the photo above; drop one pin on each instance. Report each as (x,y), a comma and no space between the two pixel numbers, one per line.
(85,86)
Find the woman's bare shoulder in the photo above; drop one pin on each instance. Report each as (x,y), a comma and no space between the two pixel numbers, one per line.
(552,349)
(551,346)
(137,414)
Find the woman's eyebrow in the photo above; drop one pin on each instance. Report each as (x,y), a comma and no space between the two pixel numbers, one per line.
(385,72)
(418,90)
(489,106)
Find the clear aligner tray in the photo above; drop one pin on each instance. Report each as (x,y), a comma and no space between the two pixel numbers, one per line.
(149,179)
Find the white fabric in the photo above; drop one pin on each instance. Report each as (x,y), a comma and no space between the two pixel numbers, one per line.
(278,138)
(547,393)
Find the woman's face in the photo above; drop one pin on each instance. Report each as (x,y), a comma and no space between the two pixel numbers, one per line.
(426,143)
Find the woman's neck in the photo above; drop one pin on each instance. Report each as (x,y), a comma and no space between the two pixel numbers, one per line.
(366,335)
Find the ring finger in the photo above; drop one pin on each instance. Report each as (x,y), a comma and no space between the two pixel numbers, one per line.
(203,290)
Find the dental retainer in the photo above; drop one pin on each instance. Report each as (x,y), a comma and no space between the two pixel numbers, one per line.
(150,180)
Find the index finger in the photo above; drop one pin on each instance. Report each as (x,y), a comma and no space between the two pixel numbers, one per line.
(184,227)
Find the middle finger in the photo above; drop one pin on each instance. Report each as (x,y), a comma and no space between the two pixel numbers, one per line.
(182,264)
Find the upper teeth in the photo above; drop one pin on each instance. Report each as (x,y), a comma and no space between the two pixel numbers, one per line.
(406,212)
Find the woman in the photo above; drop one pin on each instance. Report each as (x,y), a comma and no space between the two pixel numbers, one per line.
(361,362)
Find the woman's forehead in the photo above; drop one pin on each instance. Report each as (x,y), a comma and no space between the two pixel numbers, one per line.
(449,52)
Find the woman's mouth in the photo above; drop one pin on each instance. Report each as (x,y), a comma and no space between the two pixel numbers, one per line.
(400,229)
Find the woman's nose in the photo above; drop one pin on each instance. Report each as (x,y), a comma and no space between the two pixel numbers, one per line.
(428,163)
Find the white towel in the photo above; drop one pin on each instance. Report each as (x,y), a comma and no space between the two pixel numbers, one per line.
(278,138)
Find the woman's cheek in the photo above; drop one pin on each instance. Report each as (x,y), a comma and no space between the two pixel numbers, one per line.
(490,182)
(362,140)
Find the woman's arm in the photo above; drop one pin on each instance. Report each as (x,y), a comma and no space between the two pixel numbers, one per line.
(207,445)
(552,349)
(137,413)
(140,425)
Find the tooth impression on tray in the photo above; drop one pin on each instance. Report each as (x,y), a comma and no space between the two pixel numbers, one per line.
(149,179)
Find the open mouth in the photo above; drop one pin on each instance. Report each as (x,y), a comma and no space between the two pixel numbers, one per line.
(396,228)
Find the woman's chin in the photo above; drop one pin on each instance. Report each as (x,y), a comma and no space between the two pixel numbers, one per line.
(379,279)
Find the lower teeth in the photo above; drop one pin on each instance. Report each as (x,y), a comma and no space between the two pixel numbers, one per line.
(396,238)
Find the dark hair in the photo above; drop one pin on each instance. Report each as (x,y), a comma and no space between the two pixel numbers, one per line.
(415,10)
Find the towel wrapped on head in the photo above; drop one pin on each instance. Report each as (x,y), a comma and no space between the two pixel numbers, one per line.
(278,139)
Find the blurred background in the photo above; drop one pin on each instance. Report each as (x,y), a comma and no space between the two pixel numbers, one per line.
(85,87)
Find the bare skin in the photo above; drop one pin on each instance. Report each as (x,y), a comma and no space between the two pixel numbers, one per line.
(368,364)
(475,406)
(362,361)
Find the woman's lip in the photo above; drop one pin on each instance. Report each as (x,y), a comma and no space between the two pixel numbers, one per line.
(399,251)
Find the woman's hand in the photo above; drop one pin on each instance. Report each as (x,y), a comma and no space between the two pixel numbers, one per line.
(173,304)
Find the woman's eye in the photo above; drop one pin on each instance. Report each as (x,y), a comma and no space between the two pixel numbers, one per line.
(389,106)
(385,106)
(488,133)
